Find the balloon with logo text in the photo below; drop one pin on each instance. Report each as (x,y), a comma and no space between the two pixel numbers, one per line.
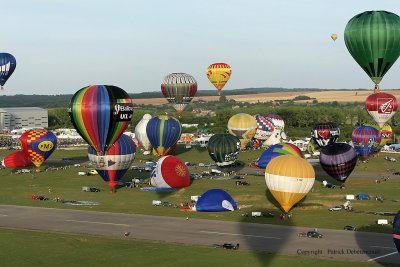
(100,114)
(325,133)
(381,107)
(38,144)
(7,67)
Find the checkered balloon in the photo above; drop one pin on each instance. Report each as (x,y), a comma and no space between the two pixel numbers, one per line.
(38,144)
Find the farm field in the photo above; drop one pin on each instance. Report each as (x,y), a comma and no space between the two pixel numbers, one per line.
(311,212)
(321,96)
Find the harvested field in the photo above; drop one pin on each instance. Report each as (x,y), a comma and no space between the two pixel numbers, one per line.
(321,96)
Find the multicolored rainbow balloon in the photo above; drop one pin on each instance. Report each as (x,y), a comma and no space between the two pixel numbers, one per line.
(100,114)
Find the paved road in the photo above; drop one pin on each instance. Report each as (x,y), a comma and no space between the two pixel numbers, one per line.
(251,236)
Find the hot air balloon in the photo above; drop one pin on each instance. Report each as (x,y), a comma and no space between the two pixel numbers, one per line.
(219,74)
(170,172)
(385,133)
(117,160)
(38,144)
(215,200)
(334,37)
(140,132)
(276,151)
(289,178)
(365,139)
(373,40)
(16,160)
(100,114)
(276,120)
(338,160)
(224,149)
(7,67)
(243,126)
(313,148)
(265,127)
(381,107)
(278,133)
(396,231)
(325,133)
(163,132)
(179,89)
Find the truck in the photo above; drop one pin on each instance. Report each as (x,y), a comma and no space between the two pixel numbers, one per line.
(256,214)
(382,221)
(82,173)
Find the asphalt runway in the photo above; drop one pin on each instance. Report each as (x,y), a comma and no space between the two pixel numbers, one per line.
(336,244)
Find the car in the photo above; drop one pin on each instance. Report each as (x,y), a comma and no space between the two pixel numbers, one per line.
(335,208)
(93,172)
(25,171)
(148,169)
(330,186)
(314,234)
(94,189)
(195,176)
(227,246)
(167,204)
(350,228)
(396,173)
(230,246)
(363,196)
(134,168)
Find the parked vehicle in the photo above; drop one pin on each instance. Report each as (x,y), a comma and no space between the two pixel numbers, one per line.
(350,228)
(314,234)
(82,173)
(227,246)
(93,172)
(363,196)
(335,208)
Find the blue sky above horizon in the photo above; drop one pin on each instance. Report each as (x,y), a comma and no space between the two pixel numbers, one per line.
(62,46)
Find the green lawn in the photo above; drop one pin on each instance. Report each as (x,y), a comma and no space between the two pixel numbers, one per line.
(311,212)
(31,248)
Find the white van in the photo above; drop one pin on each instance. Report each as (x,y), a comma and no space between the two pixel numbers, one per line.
(350,197)
(382,221)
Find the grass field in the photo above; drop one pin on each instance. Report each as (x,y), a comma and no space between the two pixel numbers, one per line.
(311,212)
(30,248)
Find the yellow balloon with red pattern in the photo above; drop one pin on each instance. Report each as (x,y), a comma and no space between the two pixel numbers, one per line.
(219,74)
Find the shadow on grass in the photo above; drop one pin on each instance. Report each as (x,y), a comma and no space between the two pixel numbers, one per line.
(266,238)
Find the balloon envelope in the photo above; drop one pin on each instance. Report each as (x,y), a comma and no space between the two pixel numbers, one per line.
(276,151)
(179,89)
(313,148)
(373,40)
(38,144)
(289,178)
(163,132)
(265,127)
(385,133)
(219,74)
(224,149)
(16,160)
(100,114)
(325,133)
(243,126)
(276,120)
(7,67)
(215,200)
(113,165)
(334,37)
(396,231)
(381,107)
(365,140)
(170,172)
(140,132)
(338,160)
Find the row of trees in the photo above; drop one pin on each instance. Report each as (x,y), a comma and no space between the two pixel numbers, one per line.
(299,118)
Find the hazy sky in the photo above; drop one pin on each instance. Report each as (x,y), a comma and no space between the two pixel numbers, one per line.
(62,46)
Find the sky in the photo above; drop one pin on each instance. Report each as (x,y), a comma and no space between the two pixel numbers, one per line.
(62,46)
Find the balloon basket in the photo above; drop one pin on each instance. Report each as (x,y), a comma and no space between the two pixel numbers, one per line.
(37,170)
(112,191)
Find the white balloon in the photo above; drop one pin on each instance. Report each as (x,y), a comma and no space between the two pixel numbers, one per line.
(140,132)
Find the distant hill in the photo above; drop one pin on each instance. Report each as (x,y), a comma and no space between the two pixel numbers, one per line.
(54,101)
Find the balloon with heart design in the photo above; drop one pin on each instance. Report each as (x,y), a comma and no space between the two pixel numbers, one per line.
(325,133)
